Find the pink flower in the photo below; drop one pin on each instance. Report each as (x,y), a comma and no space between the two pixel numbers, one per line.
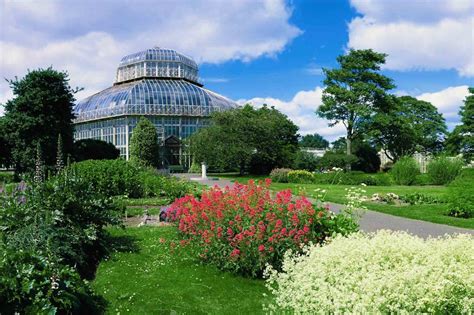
(235,253)
(261,248)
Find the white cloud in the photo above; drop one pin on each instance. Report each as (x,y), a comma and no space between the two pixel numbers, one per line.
(448,101)
(88,38)
(301,110)
(416,34)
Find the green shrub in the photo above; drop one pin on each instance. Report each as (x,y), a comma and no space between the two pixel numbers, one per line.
(422,180)
(195,168)
(419,199)
(6,177)
(340,160)
(111,177)
(280,175)
(305,161)
(93,149)
(404,172)
(155,185)
(32,283)
(352,178)
(300,177)
(461,195)
(380,273)
(443,170)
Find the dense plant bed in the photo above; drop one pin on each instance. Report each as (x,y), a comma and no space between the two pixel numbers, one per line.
(461,195)
(384,273)
(241,229)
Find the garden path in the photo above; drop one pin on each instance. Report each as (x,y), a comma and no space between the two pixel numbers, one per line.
(370,221)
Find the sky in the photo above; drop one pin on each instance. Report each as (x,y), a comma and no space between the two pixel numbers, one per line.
(268,51)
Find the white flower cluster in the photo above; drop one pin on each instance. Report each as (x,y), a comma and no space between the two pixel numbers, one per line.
(389,198)
(355,197)
(385,272)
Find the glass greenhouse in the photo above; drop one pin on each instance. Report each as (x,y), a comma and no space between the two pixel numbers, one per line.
(160,84)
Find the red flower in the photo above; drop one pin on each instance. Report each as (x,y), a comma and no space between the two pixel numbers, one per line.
(261,248)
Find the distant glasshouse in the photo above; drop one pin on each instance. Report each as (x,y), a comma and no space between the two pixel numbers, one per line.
(160,84)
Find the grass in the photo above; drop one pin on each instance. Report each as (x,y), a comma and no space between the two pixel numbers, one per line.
(336,193)
(145,276)
(138,211)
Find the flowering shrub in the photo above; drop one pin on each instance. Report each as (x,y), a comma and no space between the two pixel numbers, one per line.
(381,273)
(300,177)
(280,175)
(241,229)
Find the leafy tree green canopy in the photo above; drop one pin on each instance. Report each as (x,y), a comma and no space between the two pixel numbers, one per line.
(40,110)
(314,141)
(144,147)
(409,125)
(246,139)
(354,91)
(92,149)
(467,127)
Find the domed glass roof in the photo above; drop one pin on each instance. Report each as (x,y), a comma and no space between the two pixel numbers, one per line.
(157,63)
(155,81)
(152,97)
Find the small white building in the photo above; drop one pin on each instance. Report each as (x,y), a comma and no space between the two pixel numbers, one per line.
(315,151)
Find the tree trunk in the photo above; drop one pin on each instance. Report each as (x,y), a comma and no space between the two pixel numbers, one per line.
(348,150)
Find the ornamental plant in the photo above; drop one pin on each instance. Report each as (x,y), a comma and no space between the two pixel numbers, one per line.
(381,273)
(242,229)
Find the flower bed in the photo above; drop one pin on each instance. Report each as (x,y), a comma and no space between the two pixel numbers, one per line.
(381,273)
(241,229)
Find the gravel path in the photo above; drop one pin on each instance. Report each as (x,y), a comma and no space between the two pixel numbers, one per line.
(371,221)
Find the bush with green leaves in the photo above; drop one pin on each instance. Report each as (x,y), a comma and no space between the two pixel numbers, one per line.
(93,149)
(156,185)
(405,170)
(57,228)
(144,147)
(443,170)
(280,175)
(305,161)
(461,195)
(6,177)
(333,159)
(300,177)
(32,283)
(352,178)
(380,273)
(420,199)
(111,177)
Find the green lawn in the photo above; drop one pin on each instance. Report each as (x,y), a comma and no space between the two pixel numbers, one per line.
(145,277)
(336,193)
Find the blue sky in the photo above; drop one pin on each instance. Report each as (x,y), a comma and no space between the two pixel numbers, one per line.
(251,51)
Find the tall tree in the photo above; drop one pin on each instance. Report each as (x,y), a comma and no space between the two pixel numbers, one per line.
(467,127)
(40,110)
(354,91)
(246,138)
(409,125)
(314,141)
(144,147)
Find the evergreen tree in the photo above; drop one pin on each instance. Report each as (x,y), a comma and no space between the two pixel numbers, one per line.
(144,147)
(467,127)
(40,110)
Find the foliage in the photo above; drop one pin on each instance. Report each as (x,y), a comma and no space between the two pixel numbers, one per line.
(58,229)
(195,168)
(40,110)
(92,149)
(110,177)
(368,160)
(5,147)
(418,198)
(409,125)
(31,283)
(349,275)
(305,161)
(461,195)
(144,147)
(300,177)
(241,229)
(352,178)
(314,141)
(443,170)
(280,175)
(245,139)
(156,185)
(333,159)
(354,91)
(467,127)
(6,178)
(404,172)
